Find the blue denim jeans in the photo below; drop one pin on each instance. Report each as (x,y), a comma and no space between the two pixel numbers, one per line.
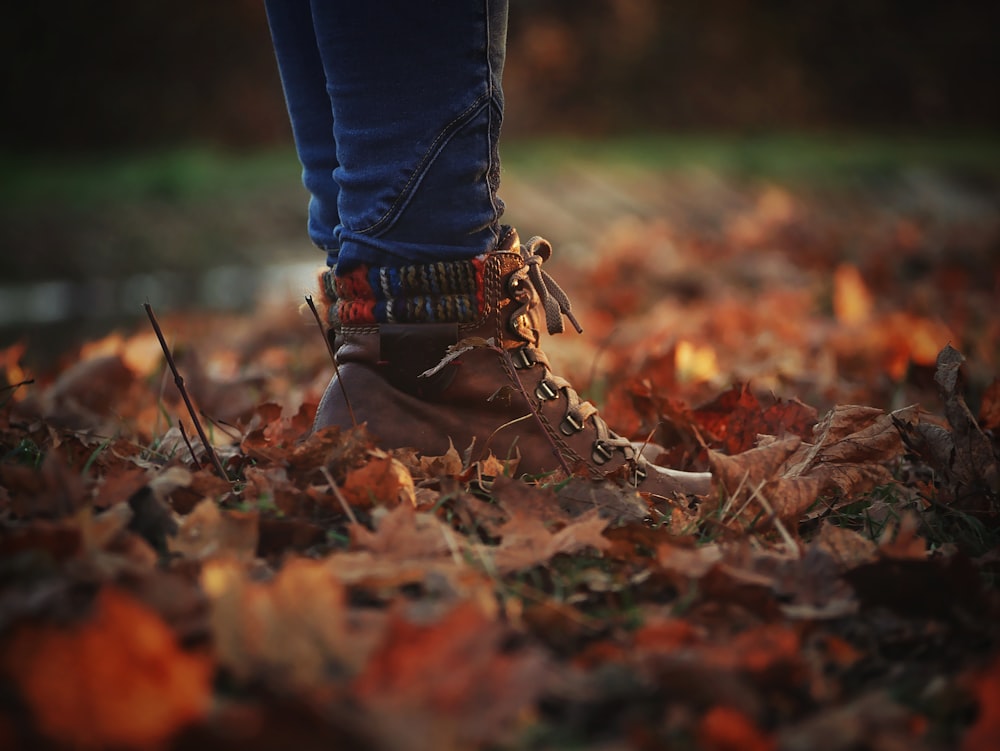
(395,108)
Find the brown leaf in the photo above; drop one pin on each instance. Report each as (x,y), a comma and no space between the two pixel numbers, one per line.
(526,541)
(906,543)
(88,389)
(747,471)
(611,501)
(209,532)
(517,497)
(294,629)
(873,720)
(754,490)
(404,533)
(973,463)
(455,668)
(118,679)
(989,410)
(448,464)
(383,480)
(53,490)
(689,563)
(845,546)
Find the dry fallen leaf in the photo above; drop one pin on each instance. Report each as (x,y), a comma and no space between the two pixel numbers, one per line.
(116,679)
(526,542)
(209,532)
(454,667)
(294,629)
(382,480)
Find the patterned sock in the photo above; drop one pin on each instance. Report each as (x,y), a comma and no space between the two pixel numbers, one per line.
(442,292)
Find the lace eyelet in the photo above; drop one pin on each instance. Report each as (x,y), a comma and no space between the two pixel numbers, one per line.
(545,392)
(571,424)
(602,453)
(639,474)
(522,359)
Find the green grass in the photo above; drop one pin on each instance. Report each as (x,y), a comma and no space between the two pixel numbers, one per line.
(193,174)
(183,175)
(774,156)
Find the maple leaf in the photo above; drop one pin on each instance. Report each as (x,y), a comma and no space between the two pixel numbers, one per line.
(526,541)
(405,533)
(735,419)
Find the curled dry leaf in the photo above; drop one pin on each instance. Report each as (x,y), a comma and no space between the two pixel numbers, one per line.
(782,478)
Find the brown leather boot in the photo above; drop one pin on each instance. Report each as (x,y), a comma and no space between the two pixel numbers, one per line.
(450,352)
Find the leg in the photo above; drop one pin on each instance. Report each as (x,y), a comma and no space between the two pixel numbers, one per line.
(310,113)
(396,111)
(421,263)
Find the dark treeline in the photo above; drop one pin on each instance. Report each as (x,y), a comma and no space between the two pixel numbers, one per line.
(124,75)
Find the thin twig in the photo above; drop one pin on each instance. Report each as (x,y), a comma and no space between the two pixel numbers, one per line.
(14,386)
(782,530)
(333,357)
(339,496)
(179,382)
(194,458)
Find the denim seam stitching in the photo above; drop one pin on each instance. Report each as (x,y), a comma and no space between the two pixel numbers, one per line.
(433,150)
(494,230)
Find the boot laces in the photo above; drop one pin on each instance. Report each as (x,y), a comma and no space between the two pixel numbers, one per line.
(554,300)
(556,305)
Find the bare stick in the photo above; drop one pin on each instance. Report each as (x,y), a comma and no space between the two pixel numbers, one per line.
(184,435)
(333,357)
(15,386)
(339,496)
(179,382)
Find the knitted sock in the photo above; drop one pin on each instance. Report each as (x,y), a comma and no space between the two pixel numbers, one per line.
(443,292)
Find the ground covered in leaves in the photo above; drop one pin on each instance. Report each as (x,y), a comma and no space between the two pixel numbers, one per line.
(832,362)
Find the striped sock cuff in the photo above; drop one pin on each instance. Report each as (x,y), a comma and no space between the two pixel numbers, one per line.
(442,292)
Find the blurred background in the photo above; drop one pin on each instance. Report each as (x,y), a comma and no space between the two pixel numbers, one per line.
(146,155)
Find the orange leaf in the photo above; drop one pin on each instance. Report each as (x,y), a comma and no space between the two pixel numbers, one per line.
(852,302)
(725,729)
(456,668)
(117,680)
(983,735)
(382,481)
